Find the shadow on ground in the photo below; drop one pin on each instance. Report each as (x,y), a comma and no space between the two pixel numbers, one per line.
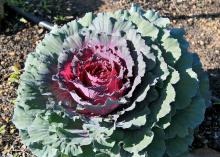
(205,152)
(53,11)
(198,16)
(214,78)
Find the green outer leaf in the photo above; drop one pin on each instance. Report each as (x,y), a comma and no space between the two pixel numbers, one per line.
(46,151)
(155,18)
(137,122)
(203,79)
(186,88)
(147,29)
(157,148)
(187,118)
(38,130)
(102,23)
(178,146)
(135,148)
(86,20)
(165,107)
(21,119)
(172,48)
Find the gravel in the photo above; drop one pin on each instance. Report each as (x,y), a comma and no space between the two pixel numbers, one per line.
(200,19)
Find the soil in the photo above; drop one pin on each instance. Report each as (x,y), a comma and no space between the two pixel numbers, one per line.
(200,20)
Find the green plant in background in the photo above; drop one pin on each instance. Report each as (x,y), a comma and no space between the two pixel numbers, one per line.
(20,3)
(15,75)
(1,11)
(44,5)
(112,84)
(2,129)
(216,100)
(59,18)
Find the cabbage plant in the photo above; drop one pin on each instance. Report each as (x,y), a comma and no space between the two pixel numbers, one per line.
(119,84)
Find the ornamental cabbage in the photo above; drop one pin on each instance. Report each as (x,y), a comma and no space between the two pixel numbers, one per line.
(119,84)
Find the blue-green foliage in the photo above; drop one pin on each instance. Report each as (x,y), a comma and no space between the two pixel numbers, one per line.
(167,100)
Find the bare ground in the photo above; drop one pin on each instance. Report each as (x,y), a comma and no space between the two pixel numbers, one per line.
(200,19)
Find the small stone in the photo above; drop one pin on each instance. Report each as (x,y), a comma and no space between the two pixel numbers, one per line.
(17,38)
(217,51)
(23,147)
(201,42)
(190,21)
(69,17)
(40,31)
(12,53)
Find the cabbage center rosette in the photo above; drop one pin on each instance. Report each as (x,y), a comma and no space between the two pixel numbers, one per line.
(94,71)
(112,84)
